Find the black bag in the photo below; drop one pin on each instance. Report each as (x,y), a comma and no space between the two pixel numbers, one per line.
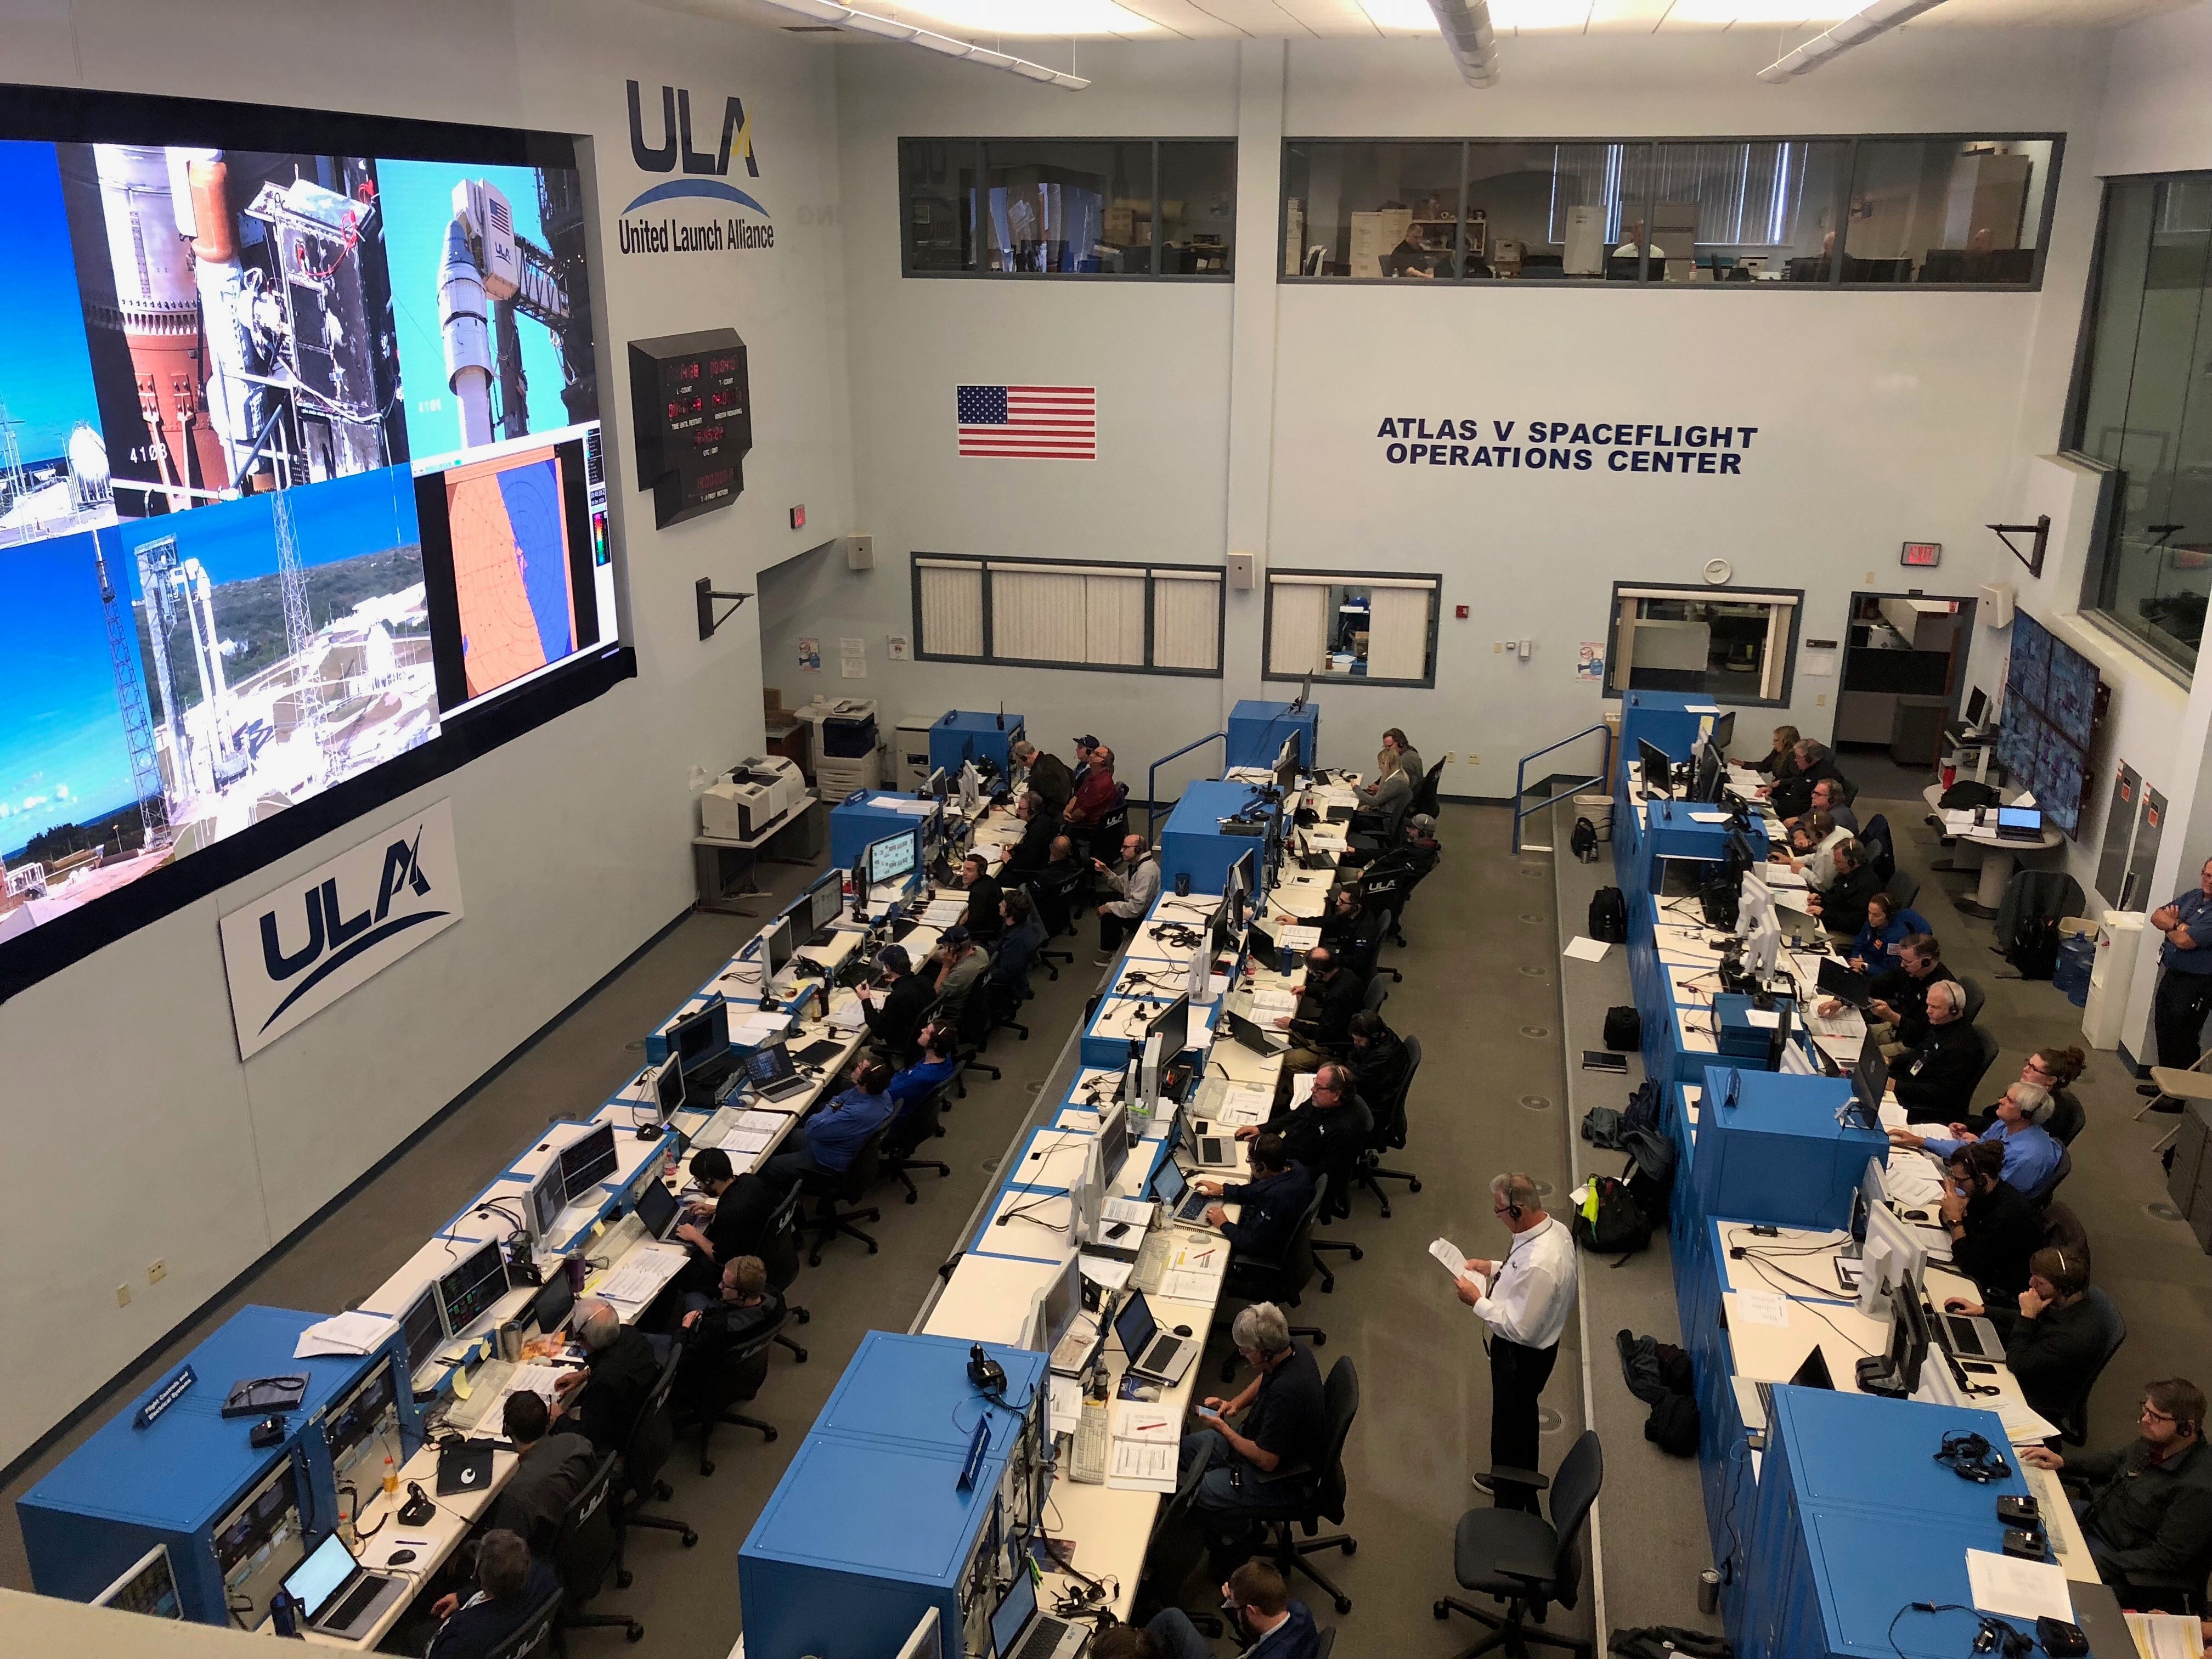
(1608,916)
(2033,947)
(1643,1110)
(1602,1128)
(1650,1172)
(1620,1226)
(1583,841)
(1966,794)
(1673,1425)
(1624,1029)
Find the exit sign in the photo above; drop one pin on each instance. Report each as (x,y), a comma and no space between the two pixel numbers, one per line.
(1924,554)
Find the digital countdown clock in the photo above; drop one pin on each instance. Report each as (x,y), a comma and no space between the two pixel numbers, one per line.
(691,420)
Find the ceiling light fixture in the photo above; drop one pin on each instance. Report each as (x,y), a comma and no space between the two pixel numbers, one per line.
(1855,30)
(828,11)
(1469,36)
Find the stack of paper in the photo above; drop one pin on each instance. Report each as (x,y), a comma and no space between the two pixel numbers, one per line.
(943,913)
(2166,1635)
(1272,1002)
(640,1276)
(913,809)
(757,1028)
(535,1379)
(1194,1272)
(1244,1104)
(347,1334)
(2014,1588)
(1299,936)
(1586,950)
(1146,1440)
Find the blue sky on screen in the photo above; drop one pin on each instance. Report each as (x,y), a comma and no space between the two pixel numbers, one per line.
(62,755)
(46,371)
(337,518)
(417,198)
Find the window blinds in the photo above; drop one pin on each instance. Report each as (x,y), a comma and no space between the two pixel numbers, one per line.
(951,607)
(1186,619)
(1297,625)
(1398,632)
(1072,614)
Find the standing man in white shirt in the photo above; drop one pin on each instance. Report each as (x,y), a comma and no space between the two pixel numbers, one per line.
(1525,1300)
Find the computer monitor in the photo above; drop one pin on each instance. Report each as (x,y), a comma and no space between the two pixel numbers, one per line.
(1908,1331)
(1844,983)
(1240,884)
(1172,1023)
(893,856)
(1114,1140)
(364,1423)
(1870,1084)
(1892,1252)
(1723,732)
(667,1084)
(2019,818)
(1739,856)
(148,1585)
(935,787)
(1796,1062)
(1088,1196)
(468,1292)
(1063,1300)
(1198,972)
(971,786)
(1977,706)
(1148,1067)
(1762,947)
(1872,1193)
(1289,763)
(550,1308)
(1777,1040)
(542,1202)
(825,902)
(585,1162)
(423,1328)
(1658,771)
(702,1038)
(1705,784)
(775,949)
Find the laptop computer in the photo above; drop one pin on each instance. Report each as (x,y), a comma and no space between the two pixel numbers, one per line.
(1968,1336)
(1156,1355)
(819,1052)
(336,1596)
(1018,1630)
(772,1074)
(658,1211)
(1812,1372)
(2020,823)
(1214,1152)
(1186,1204)
(465,1466)
(1254,1036)
(1846,985)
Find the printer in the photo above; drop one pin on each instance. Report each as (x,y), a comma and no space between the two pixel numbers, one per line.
(753,795)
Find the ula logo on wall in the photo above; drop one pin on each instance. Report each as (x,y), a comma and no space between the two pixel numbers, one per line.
(293,952)
(706,178)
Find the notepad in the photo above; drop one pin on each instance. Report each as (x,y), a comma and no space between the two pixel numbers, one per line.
(1580,949)
(1146,1440)
(2014,1588)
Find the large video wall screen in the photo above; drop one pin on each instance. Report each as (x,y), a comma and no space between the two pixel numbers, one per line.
(303,499)
(2052,703)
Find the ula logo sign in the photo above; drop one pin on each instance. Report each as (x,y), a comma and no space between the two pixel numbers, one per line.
(293,952)
(673,144)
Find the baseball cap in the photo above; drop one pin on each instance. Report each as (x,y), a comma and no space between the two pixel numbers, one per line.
(1086,741)
(1422,821)
(956,934)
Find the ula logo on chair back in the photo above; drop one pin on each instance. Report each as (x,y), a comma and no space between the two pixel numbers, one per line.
(293,952)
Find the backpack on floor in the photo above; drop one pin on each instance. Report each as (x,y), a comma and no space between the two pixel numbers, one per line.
(1642,1108)
(1649,1176)
(1608,916)
(1582,843)
(1610,1221)
(1624,1029)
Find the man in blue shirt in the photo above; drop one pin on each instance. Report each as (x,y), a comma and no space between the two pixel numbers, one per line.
(511,1585)
(1266,1622)
(2184,993)
(2030,1152)
(910,1087)
(1269,1205)
(834,1134)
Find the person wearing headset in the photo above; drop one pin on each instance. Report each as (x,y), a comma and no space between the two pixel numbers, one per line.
(1135,883)
(2146,1507)
(1525,1300)
(2055,1339)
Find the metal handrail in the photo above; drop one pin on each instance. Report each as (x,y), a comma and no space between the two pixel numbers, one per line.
(1520,778)
(1152,777)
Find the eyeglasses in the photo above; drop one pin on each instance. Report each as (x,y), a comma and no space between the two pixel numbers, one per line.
(2152,1414)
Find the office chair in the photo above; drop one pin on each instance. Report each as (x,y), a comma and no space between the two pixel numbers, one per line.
(828,1220)
(583,1551)
(651,1438)
(2074,1421)
(1280,1279)
(971,1025)
(1312,1495)
(1377,993)
(1512,1556)
(1903,886)
(1391,1136)
(2067,1118)
(1976,996)
(1881,847)
(907,1135)
(735,1381)
(538,1634)
(1987,1045)
(1424,798)
(1113,825)
(1052,931)
(2041,1194)
(779,1254)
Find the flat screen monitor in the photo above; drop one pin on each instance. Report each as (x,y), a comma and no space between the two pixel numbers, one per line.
(1658,771)
(775,948)
(1113,1140)
(668,1087)
(550,1308)
(585,1162)
(1723,732)
(1706,784)
(547,1197)
(1063,1300)
(468,1292)
(1240,884)
(363,1418)
(1870,1084)
(1978,704)
(1172,1023)
(893,856)
(939,785)
(2019,818)
(148,1586)
(825,902)
(703,1037)
(1893,1251)
(422,1330)
(1908,1333)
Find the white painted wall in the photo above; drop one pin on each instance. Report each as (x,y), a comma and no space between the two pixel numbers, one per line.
(137,1135)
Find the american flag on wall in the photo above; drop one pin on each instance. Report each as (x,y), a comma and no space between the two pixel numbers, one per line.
(1029,422)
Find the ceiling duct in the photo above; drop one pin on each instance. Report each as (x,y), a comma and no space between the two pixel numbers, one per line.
(1469,38)
(828,11)
(1877,19)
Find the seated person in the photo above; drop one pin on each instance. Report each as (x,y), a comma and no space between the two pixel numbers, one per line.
(1378,1059)
(1811,853)
(1993,1228)
(1874,948)
(1134,883)
(928,1074)
(1021,936)
(1264,1621)
(2054,1338)
(983,893)
(601,1402)
(1271,1201)
(1897,1012)
(1040,823)
(511,1584)
(1842,908)
(743,1308)
(1414,854)
(1828,797)
(1320,1025)
(549,1470)
(1347,929)
(1131,1642)
(1935,1080)
(1283,1429)
(1063,884)
(960,968)
(2148,1510)
(1047,775)
(1330,1131)
(2056,1067)
(895,1004)
(1411,257)
(832,1136)
(715,1236)
(1781,760)
(1789,796)
(1383,800)
(2026,1148)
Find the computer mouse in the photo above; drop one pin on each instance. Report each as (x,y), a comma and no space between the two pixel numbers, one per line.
(1183,1330)
(398,1558)
(1953,1304)
(1916,1215)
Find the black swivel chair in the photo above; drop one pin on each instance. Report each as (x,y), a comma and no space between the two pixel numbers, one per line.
(1976,996)
(583,1550)
(1988,1045)
(734,1381)
(847,1188)
(779,1254)
(2040,1195)
(538,1633)
(1113,825)
(2074,1421)
(1424,798)
(1389,1136)
(1280,1279)
(1032,890)
(651,1440)
(1881,847)
(1512,1556)
(971,1027)
(1058,899)
(908,1134)
(1903,886)
(2067,1118)
(1308,1497)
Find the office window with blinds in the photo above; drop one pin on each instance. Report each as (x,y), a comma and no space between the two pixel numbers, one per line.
(1059,613)
(1735,647)
(1381,628)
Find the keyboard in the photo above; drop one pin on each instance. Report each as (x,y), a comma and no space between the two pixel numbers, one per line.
(1042,1638)
(342,1617)
(1964,1339)
(488,1384)
(1160,1355)
(1087,1460)
(1765,1402)
(1152,1263)
(1193,1207)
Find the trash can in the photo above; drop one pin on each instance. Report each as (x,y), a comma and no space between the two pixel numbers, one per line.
(2077,958)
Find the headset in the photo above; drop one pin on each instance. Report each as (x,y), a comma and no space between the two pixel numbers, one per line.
(1512,1208)
(1971,1457)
